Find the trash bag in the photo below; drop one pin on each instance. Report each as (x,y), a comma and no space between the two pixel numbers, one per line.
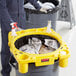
(35,46)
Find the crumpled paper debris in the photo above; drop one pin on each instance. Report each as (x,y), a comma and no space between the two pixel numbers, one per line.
(35,46)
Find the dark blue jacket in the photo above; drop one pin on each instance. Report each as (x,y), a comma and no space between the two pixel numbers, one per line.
(13,11)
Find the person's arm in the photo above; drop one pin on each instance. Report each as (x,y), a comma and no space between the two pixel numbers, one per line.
(34,2)
(5,16)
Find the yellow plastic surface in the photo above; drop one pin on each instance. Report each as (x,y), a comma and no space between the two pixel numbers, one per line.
(24,59)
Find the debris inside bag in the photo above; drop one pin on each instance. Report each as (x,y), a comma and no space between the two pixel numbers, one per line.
(29,6)
(28,48)
(32,47)
(51,43)
(35,46)
(44,49)
(46,5)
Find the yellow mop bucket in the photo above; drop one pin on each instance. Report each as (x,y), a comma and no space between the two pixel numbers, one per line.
(62,53)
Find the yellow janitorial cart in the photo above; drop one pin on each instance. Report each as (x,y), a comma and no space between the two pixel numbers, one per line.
(38,64)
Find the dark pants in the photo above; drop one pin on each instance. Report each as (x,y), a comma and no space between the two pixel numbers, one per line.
(5,52)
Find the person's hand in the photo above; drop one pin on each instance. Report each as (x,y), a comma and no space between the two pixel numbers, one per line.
(48,6)
(45,7)
(43,10)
